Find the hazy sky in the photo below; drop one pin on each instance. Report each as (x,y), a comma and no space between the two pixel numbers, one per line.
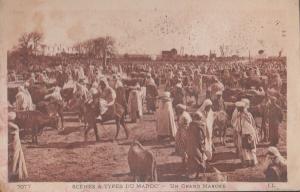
(141,26)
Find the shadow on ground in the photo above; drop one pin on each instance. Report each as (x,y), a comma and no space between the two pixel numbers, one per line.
(73,145)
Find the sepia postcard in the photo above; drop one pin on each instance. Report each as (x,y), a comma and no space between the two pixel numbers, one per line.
(140,95)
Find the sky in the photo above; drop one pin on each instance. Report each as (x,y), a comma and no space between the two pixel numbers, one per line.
(141,26)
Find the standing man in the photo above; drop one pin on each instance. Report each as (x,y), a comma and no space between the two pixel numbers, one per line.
(135,107)
(151,94)
(195,145)
(28,96)
(149,79)
(121,95)
(275,117)
(215,87)
(184,120)
(197,84)
(17,163)
(206,110)
(277,82)
(246,135)
(218,102)
(166,126)
(80,73)
(116,81)
(178,94)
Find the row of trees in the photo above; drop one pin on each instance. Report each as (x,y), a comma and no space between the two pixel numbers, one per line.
(30,44)
(101,47)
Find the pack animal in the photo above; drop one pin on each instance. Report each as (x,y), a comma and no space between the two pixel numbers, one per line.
(142,163)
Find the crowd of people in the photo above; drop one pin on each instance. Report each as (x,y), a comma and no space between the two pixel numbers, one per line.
(165,91)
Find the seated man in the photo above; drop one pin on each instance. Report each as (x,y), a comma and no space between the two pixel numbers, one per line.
(107,100)
(276,166)
(70,84)
(55,95)
(43,77)
(22,101)
(81,90)
(92,91)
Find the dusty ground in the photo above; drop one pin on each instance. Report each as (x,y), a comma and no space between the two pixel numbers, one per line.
(64,156)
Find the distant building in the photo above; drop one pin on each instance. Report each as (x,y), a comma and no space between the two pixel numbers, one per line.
(166,55)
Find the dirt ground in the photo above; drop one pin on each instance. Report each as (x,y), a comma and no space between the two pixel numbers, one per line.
(64,156)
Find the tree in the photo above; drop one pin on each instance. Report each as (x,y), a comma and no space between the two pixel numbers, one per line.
(30,41)
(28,44)
(103,47)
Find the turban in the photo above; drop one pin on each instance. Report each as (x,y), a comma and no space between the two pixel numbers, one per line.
(207,102)
(179,85)
(240,104)
(246,101)
(274,151)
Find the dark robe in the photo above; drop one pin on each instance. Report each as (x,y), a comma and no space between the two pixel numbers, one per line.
(151,94)
(121,97)
(218,105)
(195,146)
(275,118)
(178,96)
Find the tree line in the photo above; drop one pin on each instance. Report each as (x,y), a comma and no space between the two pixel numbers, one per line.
(32,43)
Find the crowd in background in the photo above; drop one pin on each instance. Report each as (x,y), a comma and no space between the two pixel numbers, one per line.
(162,90)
